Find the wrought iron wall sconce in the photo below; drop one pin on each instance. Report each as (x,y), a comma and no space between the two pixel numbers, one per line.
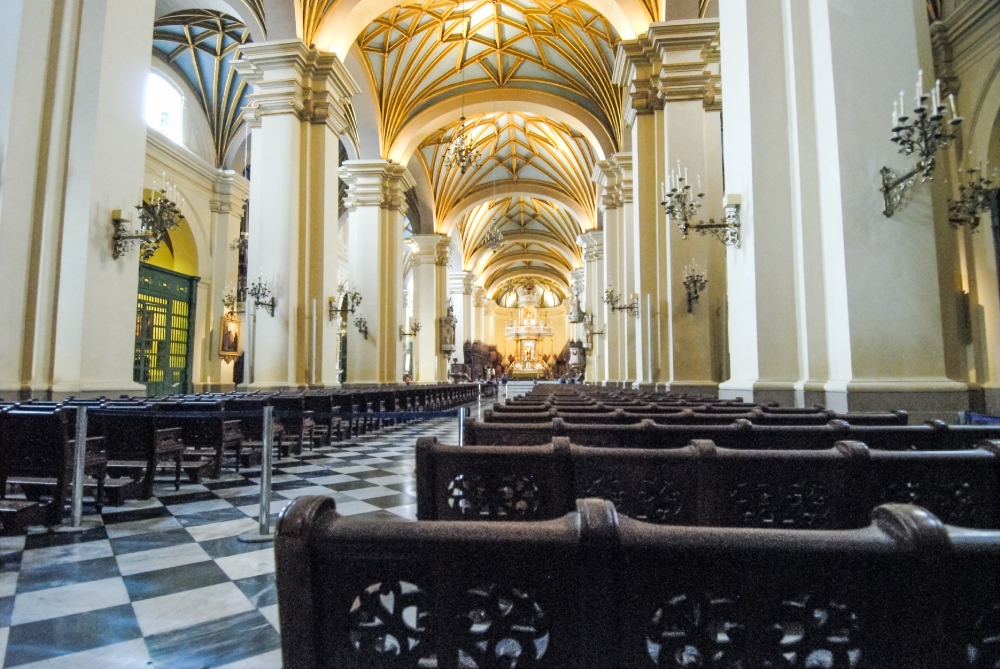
(362,325)
(681,204)
(924,135)
(589,332)
(334,308)
(233,306)
(156,219)
(694,283)
(974,199)
(241,243)
(412,332)
(614,301)
(261,294)
(353,300)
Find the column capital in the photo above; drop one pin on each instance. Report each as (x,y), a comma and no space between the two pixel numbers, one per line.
(376,183)
(429,249)
(229,190)
(592,244)
(289,77)
(489,307)
(577,276)
(462,283)
(614,175)
(672,61)
(478,296)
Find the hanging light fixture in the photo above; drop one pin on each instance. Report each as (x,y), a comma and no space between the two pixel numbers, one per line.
(494,239)
(462,152)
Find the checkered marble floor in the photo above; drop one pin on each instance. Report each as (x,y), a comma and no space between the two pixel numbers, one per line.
(166,583)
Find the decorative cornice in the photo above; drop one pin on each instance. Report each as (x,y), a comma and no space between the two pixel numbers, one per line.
(376,183)
(592,244)
(430,249)
(290,78)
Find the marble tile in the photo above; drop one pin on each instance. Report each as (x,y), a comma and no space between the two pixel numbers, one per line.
(368,493)
(353,469)
(372,461)
(220,548)
(69,599)
(198,507)
(150,584)
(132,505)
(215,643)
(336,478)
(191,607)
(354,508)
(163,524)
(408,511)
(8,584)
(248,564)
(253,510)
(408,469)
(310,490)
(133,515)
(4,633)
(280,478)
(227,528)
(390,480)
(12,543)
(42,538)
(166,490)
(301,469)
(271,613)
(271,660)
(210,517)
(143,542)
(260,590)
(160,558)
(124,655)
(41,577)
(69,634)
(226,493)
(67,553)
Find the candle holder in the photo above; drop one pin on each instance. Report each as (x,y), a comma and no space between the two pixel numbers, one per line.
(681,204)
(614,302)
(261,294)
(362,325)
(974,198)
(589,332)
(241,243)
(923,135)
(157,218)
(232,304)
(694,283)
(353,298)
(412,332)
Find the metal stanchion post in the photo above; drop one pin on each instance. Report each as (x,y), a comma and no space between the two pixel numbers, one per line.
(79,459)
(461,426)
(263,532)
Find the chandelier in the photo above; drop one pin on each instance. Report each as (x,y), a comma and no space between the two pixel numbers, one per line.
(461,152)
(493,240)
(157,217)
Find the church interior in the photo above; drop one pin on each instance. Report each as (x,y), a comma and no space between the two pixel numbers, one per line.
(499,333)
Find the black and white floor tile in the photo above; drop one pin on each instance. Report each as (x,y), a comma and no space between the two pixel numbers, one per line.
(166,583)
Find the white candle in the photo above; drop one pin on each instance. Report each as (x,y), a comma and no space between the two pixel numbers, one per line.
(920,84)
(937,94)
(895,115)
(902,104)
(685,175)
(951,101)
(699,184)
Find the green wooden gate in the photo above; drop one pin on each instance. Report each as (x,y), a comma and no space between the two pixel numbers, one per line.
(164,330)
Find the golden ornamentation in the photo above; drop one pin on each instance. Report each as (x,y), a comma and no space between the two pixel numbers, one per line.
(219,89)
(313,12)
(416,55)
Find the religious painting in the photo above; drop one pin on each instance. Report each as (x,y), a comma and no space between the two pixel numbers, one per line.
(230,338)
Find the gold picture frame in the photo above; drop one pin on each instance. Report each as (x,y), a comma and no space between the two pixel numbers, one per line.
(230,338)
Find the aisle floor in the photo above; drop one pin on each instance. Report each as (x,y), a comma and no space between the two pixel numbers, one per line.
(166,583)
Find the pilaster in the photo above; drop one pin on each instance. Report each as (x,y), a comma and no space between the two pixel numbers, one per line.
(429,255)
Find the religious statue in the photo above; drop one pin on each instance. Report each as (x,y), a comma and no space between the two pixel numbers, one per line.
(446,326)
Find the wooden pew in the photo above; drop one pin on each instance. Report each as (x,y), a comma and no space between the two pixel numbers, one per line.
(207,435)
(325,415)
(701,484)
(137,446)
(36,453)
(596,589)
(296,422)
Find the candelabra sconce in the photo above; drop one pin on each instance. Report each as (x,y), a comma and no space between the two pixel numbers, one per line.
(927,132)
(589,332)
(362,325)
(412,332)
(241,243)
(234,308)
(333,309)
(353,298)
(974,199)
(262,298)
(614,301)
(681,205)
(694,284)
(156,219)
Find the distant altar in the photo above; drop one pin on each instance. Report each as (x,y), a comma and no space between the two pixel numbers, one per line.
(526,332)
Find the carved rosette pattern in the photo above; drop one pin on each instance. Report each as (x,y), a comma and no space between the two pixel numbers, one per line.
(506,496)
(390,626)
(954,502)
(802,503)
(501,627)
(983,650)
(706,630)
(656,499)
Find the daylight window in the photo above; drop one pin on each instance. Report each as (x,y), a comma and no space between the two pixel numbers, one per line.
(165,108)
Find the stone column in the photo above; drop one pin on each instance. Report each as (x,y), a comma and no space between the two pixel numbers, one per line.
(607,177)
(429,254)
(95,295)
(478,328)
(227,213)
(828,299)
(593,259)
(625,285)
(461,286)
(376,201)
(489,331)
(297,110)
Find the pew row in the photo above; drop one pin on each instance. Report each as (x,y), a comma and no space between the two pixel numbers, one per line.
(594,589)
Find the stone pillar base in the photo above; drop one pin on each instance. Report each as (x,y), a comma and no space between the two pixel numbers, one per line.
(704,388)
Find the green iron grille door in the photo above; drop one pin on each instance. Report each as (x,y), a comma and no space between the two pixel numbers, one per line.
(164,329)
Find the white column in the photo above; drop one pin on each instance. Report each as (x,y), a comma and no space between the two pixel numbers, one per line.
(607,176)
(429,255)
(626,286)
(376,201)
(297,110)
(478,327)
(94,341)
(593,258)
(460,289)
(227,213)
